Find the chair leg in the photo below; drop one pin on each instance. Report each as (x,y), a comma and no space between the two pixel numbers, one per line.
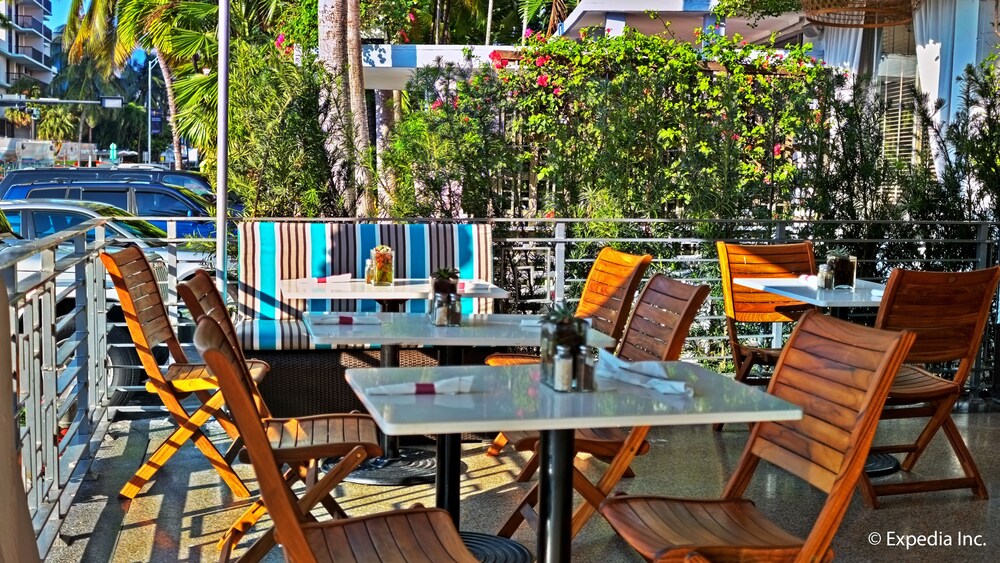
(529,470)
(521,513)
(594,495)
(965,458)
(942,412)
(742,371)
(867,491)
(188,429)
(497,445)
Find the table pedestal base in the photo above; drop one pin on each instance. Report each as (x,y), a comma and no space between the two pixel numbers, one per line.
(494,549)
(414,466)
(880,465)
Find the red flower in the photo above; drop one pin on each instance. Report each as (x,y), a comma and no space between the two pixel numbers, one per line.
(543,80)
(550,214)
(540,61)
(777,149)
(437,104)
(406,38)
(412,17)
(527,33)
(557,90)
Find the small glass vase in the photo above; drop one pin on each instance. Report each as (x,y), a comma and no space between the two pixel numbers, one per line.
(382,267)
(844,270)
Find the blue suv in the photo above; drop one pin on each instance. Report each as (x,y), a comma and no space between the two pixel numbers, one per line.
(144,199)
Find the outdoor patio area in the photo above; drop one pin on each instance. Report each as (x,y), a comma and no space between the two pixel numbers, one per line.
(182,514)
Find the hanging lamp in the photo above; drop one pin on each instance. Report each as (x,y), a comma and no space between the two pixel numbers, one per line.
(860,13)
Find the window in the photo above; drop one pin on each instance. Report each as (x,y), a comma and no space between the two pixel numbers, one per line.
(159,204)
(47,193)
(14,218)
(118,198)
(51,222)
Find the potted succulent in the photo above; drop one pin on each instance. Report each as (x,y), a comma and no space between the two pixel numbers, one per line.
(844,267)
(560,327)
(445,280)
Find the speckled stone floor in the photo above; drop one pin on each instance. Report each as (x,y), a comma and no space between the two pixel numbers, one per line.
(180,516)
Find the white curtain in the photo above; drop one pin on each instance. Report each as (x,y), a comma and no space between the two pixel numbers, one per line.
(842,48)
(934,32)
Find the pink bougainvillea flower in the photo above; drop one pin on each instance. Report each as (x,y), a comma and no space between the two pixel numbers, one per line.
(540,61)
(735,137)
(527,33)
(437,104)
(411,16)
(279,40)
(406,38)
(607,31)
(543,80)
(777,149)
(557,90)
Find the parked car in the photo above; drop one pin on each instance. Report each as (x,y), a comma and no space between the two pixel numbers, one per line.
(144,199)
(38,218)
(125,172)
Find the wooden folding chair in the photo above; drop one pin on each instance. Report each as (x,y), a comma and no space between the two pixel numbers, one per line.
(299,443)
(606,300)
(839,374)
(416,534)
(948,313)
(149,326)
(745,305)
(656,331)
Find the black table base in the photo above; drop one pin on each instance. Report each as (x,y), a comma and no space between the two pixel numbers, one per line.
(493,549)
(880,465)
(414,466)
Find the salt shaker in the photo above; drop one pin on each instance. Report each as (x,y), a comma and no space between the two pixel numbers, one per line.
(824,280)
(563,369)
(584,369)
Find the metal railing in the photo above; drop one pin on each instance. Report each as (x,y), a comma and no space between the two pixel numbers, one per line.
(56,285)
(29,22)
(61,303)
(34,54)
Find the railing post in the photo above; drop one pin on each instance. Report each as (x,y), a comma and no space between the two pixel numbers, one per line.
(559,292)
(778,329)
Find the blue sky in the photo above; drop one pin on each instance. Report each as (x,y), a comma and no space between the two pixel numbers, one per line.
(59,10)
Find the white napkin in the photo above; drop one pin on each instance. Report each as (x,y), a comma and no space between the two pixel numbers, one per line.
(450,386)
(645,374)
(339,278)
(345,320)
(808,280)
(532,323)
(878,292)
(473,286)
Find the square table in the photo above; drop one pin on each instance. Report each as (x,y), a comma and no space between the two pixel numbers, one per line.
(414,329)
(512,398)
(864,294)
(401,289)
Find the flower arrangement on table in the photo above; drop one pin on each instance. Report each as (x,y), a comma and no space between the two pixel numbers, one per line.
(382,265)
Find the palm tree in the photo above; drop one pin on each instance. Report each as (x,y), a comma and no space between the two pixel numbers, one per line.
(57,124)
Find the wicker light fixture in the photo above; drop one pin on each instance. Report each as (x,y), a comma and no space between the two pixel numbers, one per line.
(860,13)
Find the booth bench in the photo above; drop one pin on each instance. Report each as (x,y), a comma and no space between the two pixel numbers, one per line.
(306,377)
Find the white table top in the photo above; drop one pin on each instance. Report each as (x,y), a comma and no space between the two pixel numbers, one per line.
(309,288)
(413,329)
(512,398)
(861,296)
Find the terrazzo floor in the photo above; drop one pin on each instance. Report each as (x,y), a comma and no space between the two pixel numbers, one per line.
(181,515)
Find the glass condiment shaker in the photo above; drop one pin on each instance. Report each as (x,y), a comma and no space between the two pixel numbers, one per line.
(369,272)
(563,368)
(824,280)
(584,368)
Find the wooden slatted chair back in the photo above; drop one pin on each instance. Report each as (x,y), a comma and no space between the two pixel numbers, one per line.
(224,360)
(663,314)
(610,288)
(202,298)
(143,307)
(839,373)
(743,304)
(948,312)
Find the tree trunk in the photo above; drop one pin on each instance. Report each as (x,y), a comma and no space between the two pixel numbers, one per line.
(359,107)
(489,21)
(168,85)
(437,21)
(385,117)
(333,54)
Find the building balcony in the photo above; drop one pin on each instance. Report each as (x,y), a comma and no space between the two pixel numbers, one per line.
(35,55)
(29,23)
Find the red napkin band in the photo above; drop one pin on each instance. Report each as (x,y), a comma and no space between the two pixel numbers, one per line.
(424,389)
(345,320)
(321,280)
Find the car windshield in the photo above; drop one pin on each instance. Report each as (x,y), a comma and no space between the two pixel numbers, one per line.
(134,227)
(202,202)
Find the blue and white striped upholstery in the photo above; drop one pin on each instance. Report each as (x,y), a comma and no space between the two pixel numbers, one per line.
(273,251)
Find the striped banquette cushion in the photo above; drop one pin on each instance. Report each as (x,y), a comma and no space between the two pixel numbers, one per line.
(271,251)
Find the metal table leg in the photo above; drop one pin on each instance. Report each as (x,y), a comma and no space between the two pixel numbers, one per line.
(555,495)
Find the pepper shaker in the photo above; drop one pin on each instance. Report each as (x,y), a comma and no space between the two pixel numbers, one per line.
(584,369)
(563,369)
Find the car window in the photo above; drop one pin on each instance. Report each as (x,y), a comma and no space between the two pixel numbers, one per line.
(159,204)
(51,222)
(118,198)
(13,223)
(188,182)
(47,193)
